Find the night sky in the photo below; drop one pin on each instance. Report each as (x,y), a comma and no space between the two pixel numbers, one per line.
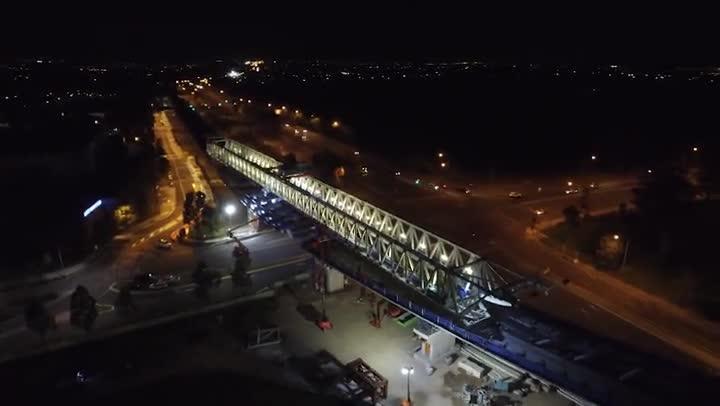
(597,34)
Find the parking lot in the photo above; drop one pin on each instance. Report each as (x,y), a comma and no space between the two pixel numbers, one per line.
(386,349)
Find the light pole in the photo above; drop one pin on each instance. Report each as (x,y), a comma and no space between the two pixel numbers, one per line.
(626,247)
(407,371)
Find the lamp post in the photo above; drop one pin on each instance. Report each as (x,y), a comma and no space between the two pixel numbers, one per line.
(407,371)
(626,247)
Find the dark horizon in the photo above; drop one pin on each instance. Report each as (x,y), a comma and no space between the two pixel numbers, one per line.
(627,36)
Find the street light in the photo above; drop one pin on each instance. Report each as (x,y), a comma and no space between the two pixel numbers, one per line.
(695,149)
(407,371)
(626,248)
(593,157)
(230,209)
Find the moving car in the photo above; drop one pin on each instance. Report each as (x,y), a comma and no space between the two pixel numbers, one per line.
(571,191)
(150,281)
(515,195)
(539,211)
(164,244)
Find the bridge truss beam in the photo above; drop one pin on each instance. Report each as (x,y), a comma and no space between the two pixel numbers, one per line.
(460,279)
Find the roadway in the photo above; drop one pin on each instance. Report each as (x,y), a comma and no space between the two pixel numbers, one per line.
(274,257)
(489,223)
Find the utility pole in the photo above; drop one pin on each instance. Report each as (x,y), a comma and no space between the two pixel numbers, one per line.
(625,254)
(407,371)
(59,254)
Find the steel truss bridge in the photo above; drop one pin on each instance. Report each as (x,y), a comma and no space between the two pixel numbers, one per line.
(461,280)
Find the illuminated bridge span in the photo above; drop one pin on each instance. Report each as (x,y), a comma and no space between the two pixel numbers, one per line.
(420,259)
(453,288)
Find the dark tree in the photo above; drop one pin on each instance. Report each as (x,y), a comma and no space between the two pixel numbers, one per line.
(124,302)
(623,211)
(83,310)
(663,195)
(189,199)
(200,200)
(189,211)
(242,265)
(289,161)
(204,279)
(325,163)
(37,318)
(585,199)
(572,216)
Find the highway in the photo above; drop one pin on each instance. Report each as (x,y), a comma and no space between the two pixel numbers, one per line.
(274,258)
(489,223)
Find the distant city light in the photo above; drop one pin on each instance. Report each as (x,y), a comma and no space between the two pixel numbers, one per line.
(616,237)
(695,149)
(336,124)
(593,157)
(569,183)
(649,171)
(92,208)
(443,164)
(440,155)
(137,139)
